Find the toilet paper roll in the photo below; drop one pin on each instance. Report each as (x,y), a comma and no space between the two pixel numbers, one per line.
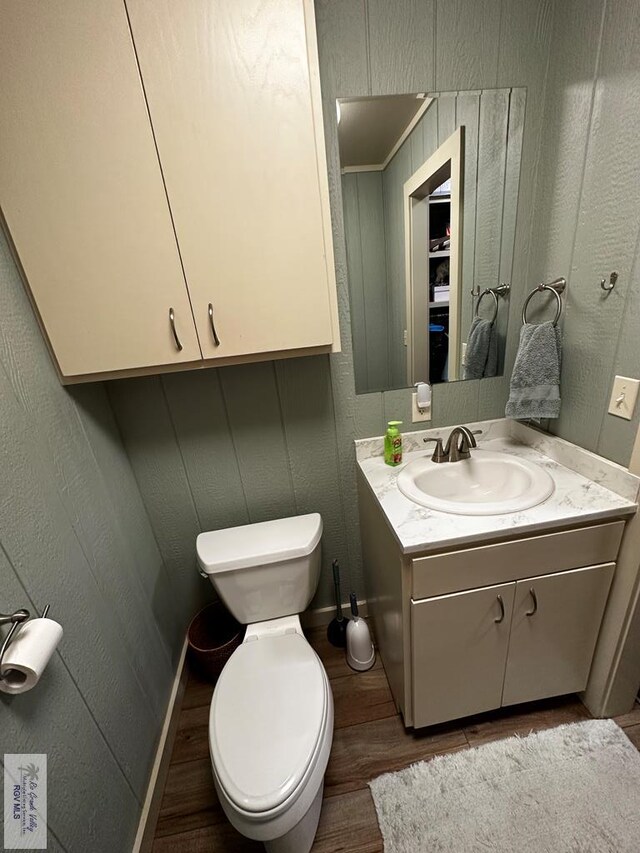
(28,655)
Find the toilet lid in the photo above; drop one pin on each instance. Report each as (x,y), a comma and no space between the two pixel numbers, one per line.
(266,719)
(258,544)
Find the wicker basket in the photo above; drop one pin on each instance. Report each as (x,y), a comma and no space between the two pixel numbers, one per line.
(213,637)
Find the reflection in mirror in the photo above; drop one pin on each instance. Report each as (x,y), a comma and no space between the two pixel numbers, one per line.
(430,192)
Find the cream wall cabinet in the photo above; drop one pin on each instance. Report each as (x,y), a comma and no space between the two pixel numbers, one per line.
(469,630)
(81,189)
(235,106)
(159,156)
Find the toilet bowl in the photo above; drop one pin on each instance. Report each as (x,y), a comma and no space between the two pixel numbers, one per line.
(271,717)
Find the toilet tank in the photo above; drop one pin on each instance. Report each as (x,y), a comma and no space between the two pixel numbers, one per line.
(266,570)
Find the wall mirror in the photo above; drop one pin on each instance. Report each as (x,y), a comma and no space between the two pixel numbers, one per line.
(430,193)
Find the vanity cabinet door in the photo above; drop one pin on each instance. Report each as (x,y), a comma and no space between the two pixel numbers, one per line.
(556,621)
(459,651)
(82,193)
(233,93)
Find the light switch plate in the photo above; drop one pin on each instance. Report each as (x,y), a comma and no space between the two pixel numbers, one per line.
(417,416)
(623,397)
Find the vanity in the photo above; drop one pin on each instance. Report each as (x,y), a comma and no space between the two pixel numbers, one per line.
(475,610)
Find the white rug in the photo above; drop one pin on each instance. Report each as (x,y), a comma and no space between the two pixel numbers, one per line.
(572,789)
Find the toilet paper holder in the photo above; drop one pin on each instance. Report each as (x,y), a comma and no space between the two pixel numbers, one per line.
(15,620)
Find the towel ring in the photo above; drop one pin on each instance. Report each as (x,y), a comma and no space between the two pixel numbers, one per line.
(539,289)
(489,290)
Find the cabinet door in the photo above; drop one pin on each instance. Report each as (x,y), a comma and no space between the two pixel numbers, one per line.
(459,650)
(556,621)
(81,189)
(229,92)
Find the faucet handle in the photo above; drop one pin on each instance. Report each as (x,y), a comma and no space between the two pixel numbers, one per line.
(438,454)
(475,432)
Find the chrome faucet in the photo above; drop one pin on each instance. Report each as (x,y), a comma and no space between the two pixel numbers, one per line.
(461,440)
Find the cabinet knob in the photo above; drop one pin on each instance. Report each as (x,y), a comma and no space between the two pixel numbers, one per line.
(216,339)
(172,321)
(500,618)
(533,595)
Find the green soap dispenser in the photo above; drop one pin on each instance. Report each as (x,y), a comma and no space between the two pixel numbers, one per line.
(393,444)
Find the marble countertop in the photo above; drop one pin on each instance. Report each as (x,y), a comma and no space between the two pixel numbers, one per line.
(587,488)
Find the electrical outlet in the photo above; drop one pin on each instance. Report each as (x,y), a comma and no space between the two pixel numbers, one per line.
(419,415)
(623,397)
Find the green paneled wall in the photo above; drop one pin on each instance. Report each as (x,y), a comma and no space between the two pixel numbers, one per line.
(364,224)
(74,533)
(588,215)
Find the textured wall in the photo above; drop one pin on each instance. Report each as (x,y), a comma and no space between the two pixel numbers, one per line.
(364,225)
(587,212)
(74,533)
(226,446)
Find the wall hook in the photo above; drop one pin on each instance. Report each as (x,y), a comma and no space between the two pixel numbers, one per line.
(613,278)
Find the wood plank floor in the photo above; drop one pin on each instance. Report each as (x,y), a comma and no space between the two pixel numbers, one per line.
(369,739)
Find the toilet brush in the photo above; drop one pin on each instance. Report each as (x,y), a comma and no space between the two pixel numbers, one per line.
(360,652)
(337,629)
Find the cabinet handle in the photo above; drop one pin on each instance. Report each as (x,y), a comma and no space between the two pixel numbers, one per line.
(216,339)
(500,618)
(172,320)
(533,595)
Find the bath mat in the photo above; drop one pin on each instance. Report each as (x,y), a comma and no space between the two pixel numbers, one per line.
(572,789)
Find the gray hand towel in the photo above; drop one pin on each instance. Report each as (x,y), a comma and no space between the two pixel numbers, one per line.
(481,356)
(535,381)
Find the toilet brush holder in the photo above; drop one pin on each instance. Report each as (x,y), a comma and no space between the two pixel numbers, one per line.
(360,652)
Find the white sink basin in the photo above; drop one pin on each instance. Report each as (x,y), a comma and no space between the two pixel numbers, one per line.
(489,483)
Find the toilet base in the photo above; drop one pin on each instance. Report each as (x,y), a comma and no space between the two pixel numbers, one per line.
(300,838)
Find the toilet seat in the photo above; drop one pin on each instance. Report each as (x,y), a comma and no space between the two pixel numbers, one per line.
(268,723)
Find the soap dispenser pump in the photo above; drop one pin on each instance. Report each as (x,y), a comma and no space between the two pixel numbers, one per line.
(360,652)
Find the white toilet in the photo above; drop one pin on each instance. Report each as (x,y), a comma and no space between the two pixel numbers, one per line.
(271,719)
